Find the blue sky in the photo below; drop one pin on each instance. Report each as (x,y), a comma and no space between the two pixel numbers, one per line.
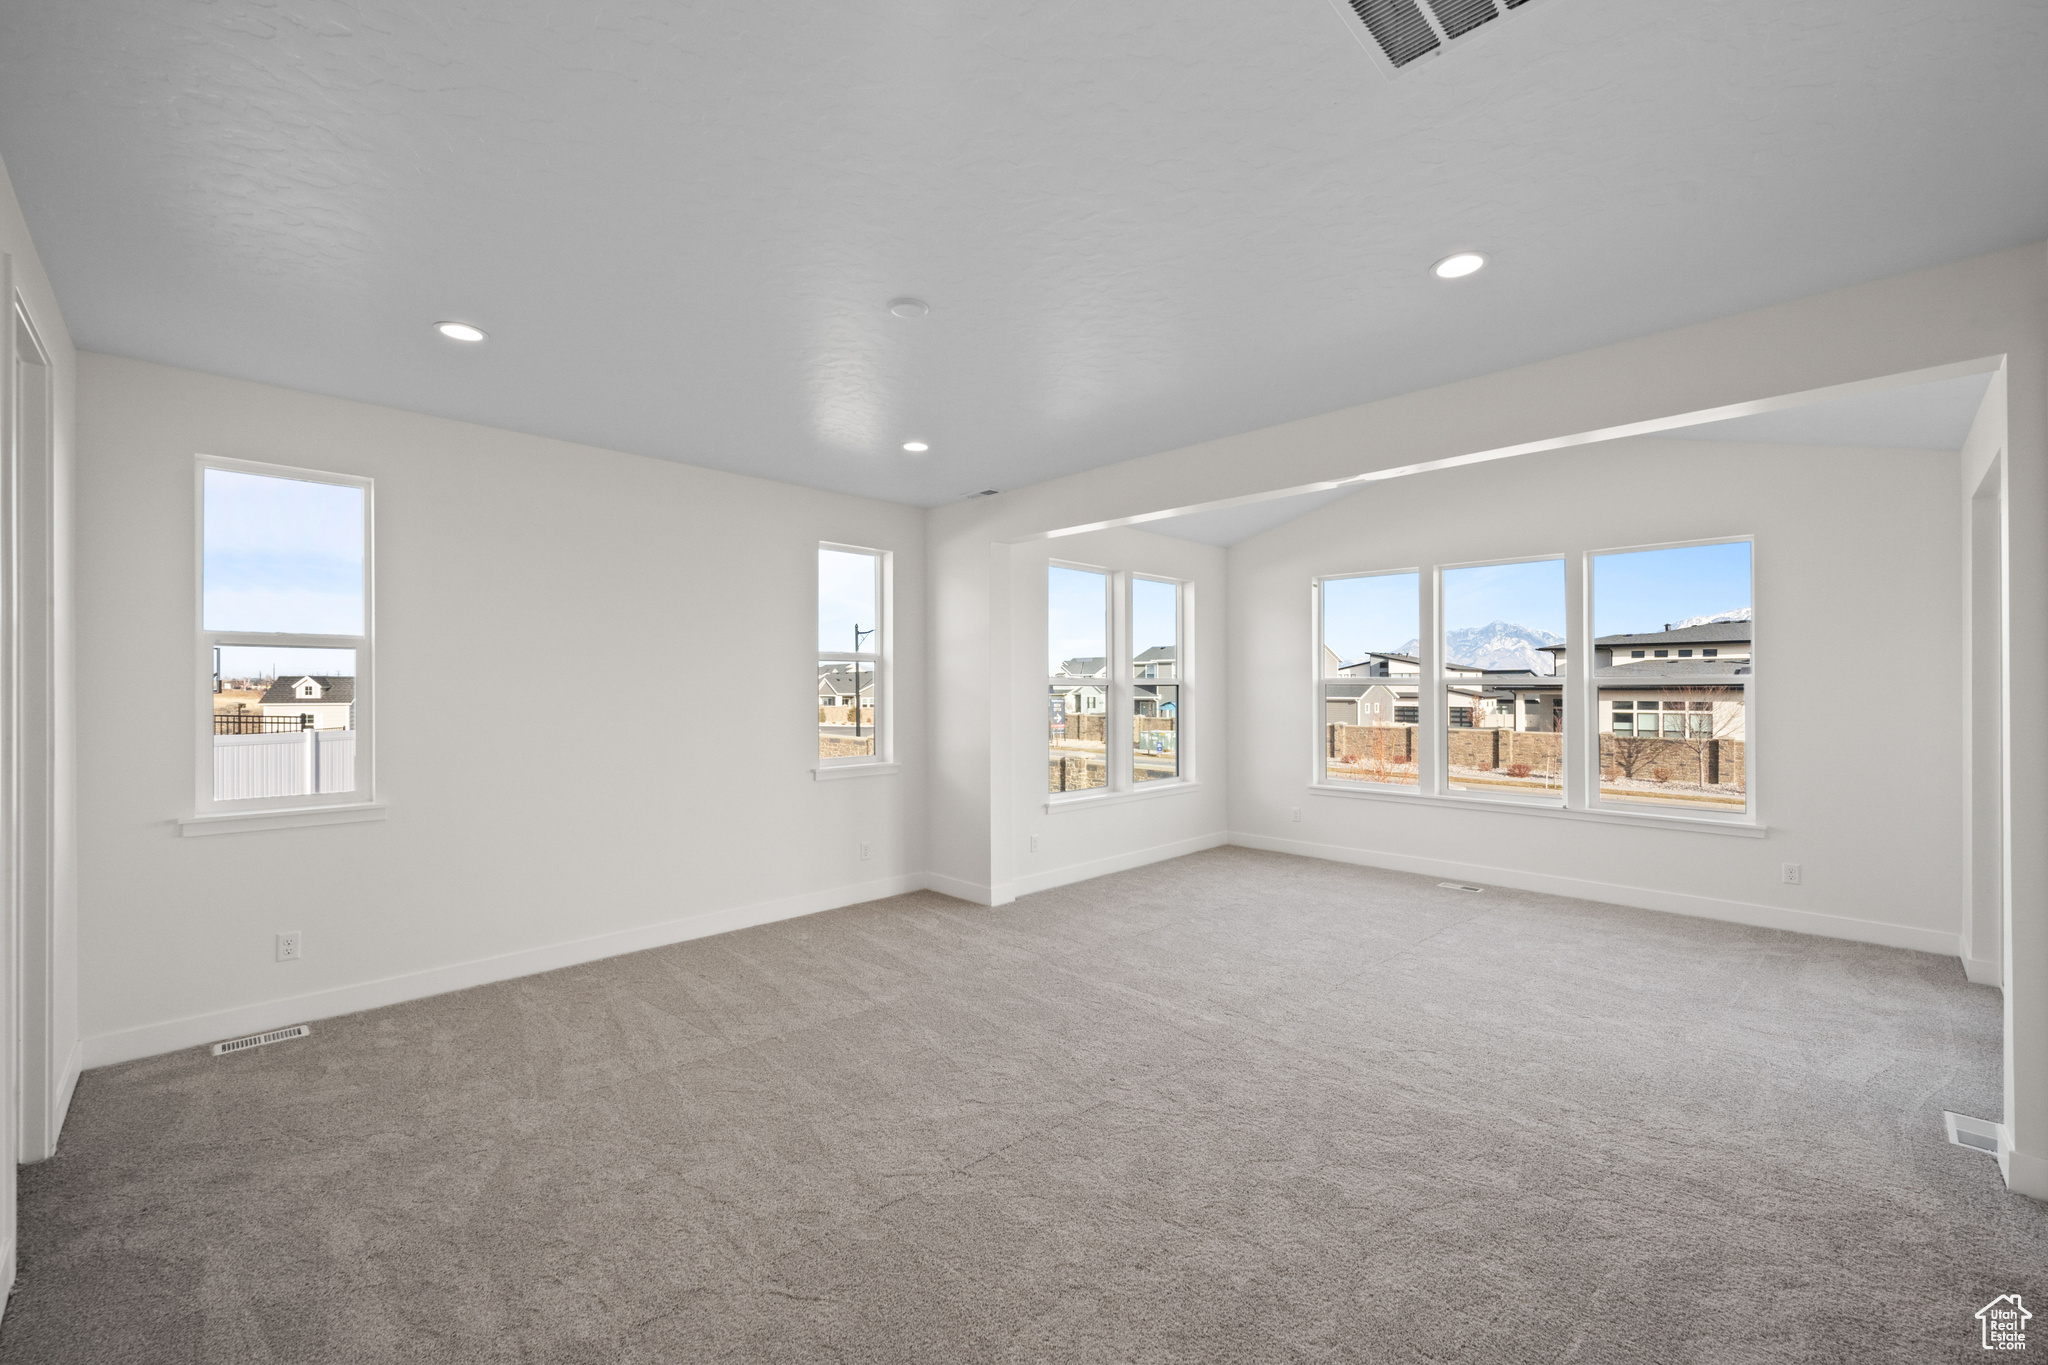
(283,555)
(1154,618)
(1530,594)
(1364,616)
(1076,615)
(1644,590)
(846,596)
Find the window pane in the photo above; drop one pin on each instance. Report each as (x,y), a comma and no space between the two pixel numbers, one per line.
(1371,640)
(1074,728)
(1077,623)
(1666,601)
(1371,624)
(284,722)
(1155,629)
(1662,619)
(283,555)
(1155,732)
(1499,622)
(846,709)
(1688,753)
(848,600)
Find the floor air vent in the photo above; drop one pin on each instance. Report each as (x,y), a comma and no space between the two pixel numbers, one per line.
(1403,32)
(276,1035)
(1964,1131)
(1459,886)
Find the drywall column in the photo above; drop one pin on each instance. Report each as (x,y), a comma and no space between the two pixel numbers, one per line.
(2026,936)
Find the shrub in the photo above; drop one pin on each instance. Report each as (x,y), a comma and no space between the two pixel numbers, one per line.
(1660,774)
(1518,770)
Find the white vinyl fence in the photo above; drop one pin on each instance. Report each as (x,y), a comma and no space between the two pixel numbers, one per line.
(296,763)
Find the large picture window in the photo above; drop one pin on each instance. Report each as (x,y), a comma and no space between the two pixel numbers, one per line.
(852,656)
(1504,625)
(1672,664)
(285,638)
(1370,678)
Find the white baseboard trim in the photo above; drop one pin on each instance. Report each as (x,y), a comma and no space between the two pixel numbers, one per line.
(1641,898)
(6,1275)
(958,888)
(67,1086)
(150,1040)
(2025,1174)
(1102,867)
(1984,971)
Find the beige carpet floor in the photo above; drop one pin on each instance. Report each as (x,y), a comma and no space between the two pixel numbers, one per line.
(1236,1107)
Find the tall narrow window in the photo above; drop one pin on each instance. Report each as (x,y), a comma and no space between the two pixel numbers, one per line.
(1673,667)
(851,656)
(1369,684)
(1504,701)
(285,637)
(1078,678)
(1155,686)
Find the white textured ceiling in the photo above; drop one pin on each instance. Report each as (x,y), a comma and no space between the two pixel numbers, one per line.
(1140,224)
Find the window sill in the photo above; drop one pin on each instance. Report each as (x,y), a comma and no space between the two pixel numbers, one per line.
(838,770)
(1085,800)
(244,822)
(1746,829)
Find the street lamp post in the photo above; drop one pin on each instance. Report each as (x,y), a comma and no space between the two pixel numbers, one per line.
(857,634)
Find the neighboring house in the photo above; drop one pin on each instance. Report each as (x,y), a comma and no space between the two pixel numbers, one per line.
(330,701)
(837,684)
(1083,700)
(1156,662)
(1650,684)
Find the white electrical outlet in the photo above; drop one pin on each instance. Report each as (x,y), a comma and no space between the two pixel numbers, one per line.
(1791,874)
(288,947)
(1034,843)
(1294,814)
(863,852)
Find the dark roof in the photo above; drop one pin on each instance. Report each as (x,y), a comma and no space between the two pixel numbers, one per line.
(1714,632)
(1084,668)
(840,680)
(333,691)
(1155,653)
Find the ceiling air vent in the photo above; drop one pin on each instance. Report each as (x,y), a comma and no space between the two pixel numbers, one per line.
(1402,33)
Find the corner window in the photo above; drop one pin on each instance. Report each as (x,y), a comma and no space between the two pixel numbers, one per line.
(853,649)
(284,636)
(1118,687)
(1675,735)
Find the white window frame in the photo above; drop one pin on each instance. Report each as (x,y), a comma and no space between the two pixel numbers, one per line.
(1581,796)
(1319,773)
(878,658)
(213,816)
(1588,689)
(1119,685)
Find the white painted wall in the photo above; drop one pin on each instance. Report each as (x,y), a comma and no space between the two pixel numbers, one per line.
(656,623)
(1082,839)
(39,1054)
(1866,797)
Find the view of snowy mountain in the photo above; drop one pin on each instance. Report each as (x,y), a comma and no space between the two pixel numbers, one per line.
(1739,614)
(1498,644)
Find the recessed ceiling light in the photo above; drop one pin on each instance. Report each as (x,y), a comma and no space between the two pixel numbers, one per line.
(1459,266)
(916,447)
(459,331)
(909,308)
